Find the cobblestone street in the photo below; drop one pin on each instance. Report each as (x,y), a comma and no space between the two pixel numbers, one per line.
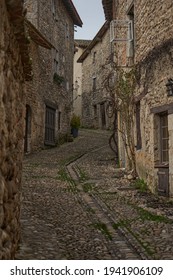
(77,205)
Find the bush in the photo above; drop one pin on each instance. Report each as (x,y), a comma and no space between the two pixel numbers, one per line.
(75,121)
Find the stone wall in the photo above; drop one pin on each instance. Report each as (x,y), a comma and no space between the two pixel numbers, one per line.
(77,81)
(153,56)
(94,100)
(58,29)
(12,100)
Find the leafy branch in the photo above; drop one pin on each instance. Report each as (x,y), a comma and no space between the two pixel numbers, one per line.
(119,84)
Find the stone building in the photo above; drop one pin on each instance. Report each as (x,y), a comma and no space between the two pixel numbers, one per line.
(94,101)
(150,48)
(15,68)
(49,96)
(80,46)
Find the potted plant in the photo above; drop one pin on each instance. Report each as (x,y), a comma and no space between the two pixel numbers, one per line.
(75,124)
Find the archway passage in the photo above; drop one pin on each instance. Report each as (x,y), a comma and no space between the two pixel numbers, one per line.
(27,143)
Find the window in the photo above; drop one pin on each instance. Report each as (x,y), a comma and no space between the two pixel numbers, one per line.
(138,127)
(164,138)
(130,44)
(94,57)
(56,62)
(94,84)
(53,7)
(67,33)
(67,85)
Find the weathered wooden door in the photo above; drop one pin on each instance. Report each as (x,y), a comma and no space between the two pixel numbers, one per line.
(163,181)
(50,126)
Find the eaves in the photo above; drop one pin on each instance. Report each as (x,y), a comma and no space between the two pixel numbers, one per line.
(73,12)
(108,9)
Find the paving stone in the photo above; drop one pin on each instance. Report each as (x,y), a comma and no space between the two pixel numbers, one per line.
(62,220)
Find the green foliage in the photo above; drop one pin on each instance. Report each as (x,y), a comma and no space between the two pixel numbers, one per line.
(82,175)
(58,79)
(140,184)
(75,121)
(103,228)
(87,187)
(64,176)
(121,223)
(120,83)
(146,215)
(64,138)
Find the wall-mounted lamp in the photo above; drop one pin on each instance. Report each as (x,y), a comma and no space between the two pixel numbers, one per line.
(169,86)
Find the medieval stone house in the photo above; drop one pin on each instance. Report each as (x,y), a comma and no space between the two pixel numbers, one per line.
(149,46)
(15,68)
(80,46)
(94,101)
(50,26)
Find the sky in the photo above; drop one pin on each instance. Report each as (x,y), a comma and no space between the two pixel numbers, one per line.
(92,15)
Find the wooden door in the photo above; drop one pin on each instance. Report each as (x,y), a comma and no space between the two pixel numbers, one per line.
(50,126)
(163,181)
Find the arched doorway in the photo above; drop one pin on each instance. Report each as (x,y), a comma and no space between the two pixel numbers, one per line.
(27,144)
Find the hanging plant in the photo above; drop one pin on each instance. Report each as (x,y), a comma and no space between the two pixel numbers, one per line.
(58,79)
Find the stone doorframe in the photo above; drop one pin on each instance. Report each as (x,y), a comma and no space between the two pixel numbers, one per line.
(165,172)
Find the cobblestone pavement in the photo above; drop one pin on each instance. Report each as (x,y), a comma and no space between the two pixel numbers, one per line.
(77,205)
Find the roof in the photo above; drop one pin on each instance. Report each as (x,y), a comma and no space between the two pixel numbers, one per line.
(95,41)
(17,17)
(108,9)
(37,37)
(82,43)
(73,12)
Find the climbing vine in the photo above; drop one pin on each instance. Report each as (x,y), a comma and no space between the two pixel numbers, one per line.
(119,84)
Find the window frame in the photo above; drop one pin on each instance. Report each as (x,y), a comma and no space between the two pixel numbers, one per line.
(94,86)
(164,138)
(131,43)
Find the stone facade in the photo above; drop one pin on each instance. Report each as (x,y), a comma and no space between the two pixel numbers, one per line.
(49,95)
(152,56)
(14,69)
(94,101)
(80,46)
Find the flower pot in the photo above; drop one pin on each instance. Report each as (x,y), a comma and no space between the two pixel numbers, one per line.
(74,132)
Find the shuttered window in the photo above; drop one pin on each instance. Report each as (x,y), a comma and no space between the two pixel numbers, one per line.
(164,138)
(50,126)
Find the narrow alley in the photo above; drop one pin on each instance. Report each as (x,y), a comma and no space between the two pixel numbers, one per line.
(77,205)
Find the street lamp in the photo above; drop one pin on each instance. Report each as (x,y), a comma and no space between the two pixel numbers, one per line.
(169,86)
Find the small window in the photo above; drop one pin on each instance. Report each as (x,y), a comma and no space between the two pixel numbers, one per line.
(67,85)
(164,138)
(138,127)
(94,83)
(130,44)
(56,62)
(94,57)
(67,33)
(53,7)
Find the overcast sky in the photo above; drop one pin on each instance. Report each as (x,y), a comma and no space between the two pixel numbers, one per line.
(92,15)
